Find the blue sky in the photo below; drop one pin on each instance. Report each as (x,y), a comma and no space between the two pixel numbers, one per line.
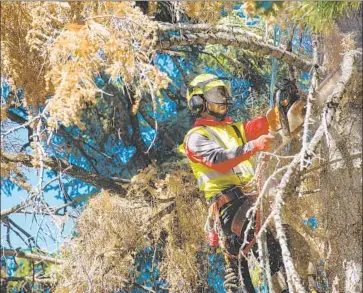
(27,221)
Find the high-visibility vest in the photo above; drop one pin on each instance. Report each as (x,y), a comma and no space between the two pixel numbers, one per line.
(211,181)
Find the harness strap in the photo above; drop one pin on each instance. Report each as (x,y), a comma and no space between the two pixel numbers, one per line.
(233,191)
(238,132)
(240,216)
(224,197)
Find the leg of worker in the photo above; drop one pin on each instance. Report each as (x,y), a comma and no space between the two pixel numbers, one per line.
(233,245)
(276,263)
(275,254)
(236,270)
(245,273)
(232,276)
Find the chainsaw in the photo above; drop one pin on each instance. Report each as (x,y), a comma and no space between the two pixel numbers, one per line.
(290,103)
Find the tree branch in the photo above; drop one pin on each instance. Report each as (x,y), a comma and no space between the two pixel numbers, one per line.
(72,170)
(31,256)
(54,210)
(31,279)
(222,35)
(309,101)
(333,101)
(17,207)
(30,238)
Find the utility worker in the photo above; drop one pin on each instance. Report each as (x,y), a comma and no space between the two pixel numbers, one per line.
(219,153)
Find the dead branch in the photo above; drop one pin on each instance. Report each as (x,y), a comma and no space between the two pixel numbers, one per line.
(333,101)
(353,156)
(293,279)
(44,281)
(31,256)
(309,101)
(18,207)
(228,37)
(75,171)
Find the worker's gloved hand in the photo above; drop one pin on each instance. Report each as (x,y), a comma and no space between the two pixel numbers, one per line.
(273,118)
(263,143)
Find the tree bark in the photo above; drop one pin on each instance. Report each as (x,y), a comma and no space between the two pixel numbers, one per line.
(290,179)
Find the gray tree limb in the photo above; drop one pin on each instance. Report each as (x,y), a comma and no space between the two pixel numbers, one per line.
(44,281)
(31,256)
(17,207)
(228,36)
(72,170)
(288,180)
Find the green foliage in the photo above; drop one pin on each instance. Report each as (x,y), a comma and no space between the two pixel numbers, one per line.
(319,15)
(25,268)
(334,9)
(268,8)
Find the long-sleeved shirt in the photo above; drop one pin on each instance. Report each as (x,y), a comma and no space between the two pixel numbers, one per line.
(208,152)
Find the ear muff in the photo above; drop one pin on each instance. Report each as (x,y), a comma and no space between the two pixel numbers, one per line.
(197,104)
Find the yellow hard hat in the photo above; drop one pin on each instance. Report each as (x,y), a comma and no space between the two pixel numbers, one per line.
(204,83)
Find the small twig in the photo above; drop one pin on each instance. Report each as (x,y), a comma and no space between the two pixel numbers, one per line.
(20,126)
(154,109)
(42,154)
(354,156)
(25,125)
(310,191)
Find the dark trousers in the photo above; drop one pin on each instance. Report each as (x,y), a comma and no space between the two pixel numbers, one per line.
(234,242)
